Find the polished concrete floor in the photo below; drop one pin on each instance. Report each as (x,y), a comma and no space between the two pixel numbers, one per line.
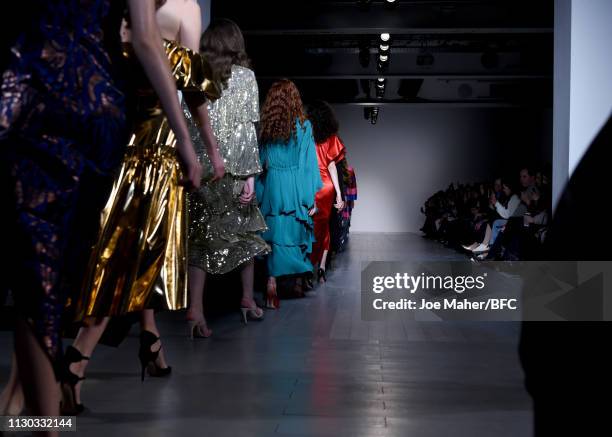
(314,368)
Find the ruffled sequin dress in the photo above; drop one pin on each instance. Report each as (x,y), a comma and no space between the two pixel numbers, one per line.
(224,233)
(286,191)
(140,259)
(62,126)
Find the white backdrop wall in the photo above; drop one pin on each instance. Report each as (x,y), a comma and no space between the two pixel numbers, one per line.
(205,9)
(591,74)
(414,151)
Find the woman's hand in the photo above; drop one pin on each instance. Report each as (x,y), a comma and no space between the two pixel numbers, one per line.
(339,203)
(218,168)
(192,169)
(312,211)
(248,191)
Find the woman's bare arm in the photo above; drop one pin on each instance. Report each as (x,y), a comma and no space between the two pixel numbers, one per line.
(146,41)
(333,172)
(191,30)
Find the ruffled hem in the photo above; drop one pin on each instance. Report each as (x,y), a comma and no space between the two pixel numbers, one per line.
(219,255)
(288,260)
(281,194)
(288,230)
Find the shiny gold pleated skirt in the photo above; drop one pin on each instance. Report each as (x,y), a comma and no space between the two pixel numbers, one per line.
(139,261)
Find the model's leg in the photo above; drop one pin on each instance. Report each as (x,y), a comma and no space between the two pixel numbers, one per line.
(272,300)
(11,398)
(85,342)
(148,323)
(323,259)
(42,391)
(195,313)
(247,274)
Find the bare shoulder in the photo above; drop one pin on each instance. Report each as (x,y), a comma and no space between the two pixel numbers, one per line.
(192,6)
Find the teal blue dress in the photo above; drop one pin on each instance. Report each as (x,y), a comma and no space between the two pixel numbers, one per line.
(286,191)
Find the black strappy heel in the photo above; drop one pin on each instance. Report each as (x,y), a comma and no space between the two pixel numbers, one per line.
(69,405)
(321,275)
(147,357)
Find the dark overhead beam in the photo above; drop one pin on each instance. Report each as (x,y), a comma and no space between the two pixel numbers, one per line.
(282,17)
(404,31)
(482,77)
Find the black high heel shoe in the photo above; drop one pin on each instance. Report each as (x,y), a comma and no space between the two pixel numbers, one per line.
(321,275)
(69,405)
(148,357)
(307,281)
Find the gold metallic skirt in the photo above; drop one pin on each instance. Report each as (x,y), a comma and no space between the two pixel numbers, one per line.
(139,261)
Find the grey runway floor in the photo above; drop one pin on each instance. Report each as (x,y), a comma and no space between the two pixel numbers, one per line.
(314,368)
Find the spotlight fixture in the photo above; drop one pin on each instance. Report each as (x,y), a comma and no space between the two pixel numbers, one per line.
(383,62)
(381,83)
(374,115)
(383,65)
(384,50)
(391,3)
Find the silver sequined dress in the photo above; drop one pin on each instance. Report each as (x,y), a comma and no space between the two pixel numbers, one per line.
(223,233)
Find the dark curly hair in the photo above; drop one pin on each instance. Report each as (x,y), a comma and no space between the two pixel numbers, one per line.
(324,121)
(282,107)
(223,45)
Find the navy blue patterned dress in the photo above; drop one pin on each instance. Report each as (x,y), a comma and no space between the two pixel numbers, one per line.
(62,127)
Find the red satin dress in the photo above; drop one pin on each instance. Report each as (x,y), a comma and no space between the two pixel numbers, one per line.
(330,150)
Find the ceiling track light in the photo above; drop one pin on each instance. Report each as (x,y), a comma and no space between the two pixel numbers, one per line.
(382,66)
(380,89)
(374,115)
(391,4)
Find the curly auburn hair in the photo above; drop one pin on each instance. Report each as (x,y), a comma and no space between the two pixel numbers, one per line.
(282,107)
(324,121)
(223,45)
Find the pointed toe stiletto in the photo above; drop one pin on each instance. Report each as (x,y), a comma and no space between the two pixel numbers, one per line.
(69,405)
(272,300)
(148,357)
(251,311)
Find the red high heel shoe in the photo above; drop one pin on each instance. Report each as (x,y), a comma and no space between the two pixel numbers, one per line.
(272,300)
